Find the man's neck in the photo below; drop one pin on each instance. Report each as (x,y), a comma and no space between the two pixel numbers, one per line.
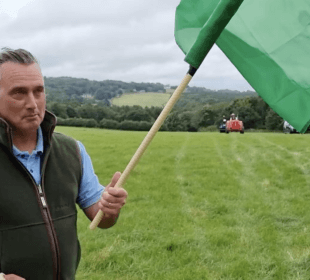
(25,142)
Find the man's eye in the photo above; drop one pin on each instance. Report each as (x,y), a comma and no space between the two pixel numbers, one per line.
(38,91)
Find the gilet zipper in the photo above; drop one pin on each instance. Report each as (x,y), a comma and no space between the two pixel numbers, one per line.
(49,227)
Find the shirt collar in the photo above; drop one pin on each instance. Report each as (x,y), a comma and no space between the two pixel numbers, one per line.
(39,148)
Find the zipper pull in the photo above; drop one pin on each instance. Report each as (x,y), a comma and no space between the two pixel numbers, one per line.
(43,202)
(40,189)
(42,197)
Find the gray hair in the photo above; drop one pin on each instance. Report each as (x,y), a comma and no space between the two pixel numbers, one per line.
(20,56)
(17,56)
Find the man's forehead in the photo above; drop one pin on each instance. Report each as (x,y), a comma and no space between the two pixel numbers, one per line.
(11,72)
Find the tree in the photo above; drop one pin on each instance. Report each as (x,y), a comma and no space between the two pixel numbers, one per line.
(102,93)
(249,117)
(71,89)
(273,121)
(76,99)
(87,112)
(154,112)
(54,95)
(187,119)
(137,113)
(144,126)
(109,124)
(261,107)
(205,117)
(129,125)
(58,109)
(71,112)
(91,123)
(174,123)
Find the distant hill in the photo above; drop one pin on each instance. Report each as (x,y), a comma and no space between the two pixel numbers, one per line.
(196,96)
(68,88)
(100,90)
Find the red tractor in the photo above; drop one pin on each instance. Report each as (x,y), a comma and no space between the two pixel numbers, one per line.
(234,125)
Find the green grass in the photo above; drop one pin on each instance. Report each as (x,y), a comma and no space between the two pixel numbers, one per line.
(147,99)
(201,206)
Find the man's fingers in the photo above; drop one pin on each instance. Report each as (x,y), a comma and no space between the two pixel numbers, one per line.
(118,192)
(111,205)
(111,198)
(111,208)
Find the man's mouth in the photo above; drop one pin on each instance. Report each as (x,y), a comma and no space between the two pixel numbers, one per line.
(31,116)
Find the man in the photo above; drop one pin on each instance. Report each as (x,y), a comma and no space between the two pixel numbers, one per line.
(42,176)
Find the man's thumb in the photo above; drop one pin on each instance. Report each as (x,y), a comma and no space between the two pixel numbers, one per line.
(114,180)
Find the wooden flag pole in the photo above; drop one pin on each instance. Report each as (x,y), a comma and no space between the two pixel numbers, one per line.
(148,138)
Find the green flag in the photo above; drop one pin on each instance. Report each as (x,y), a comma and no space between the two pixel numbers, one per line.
(268,41)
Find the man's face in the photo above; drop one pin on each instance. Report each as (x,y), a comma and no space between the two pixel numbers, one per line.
(22,96)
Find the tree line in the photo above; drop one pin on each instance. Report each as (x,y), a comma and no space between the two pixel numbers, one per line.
(253,111)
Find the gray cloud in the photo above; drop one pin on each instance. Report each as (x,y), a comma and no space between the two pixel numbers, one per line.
(108,39)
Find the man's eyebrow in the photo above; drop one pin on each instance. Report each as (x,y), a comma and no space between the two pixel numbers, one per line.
(39,87)
(25,88)
(17,88)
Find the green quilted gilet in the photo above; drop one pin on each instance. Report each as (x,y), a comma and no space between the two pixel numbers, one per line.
(38,232)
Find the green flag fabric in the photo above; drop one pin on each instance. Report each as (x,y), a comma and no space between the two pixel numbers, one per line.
(196,34)
(268,41)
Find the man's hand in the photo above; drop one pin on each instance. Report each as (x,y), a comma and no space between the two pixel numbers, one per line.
(13,277)
(113,199)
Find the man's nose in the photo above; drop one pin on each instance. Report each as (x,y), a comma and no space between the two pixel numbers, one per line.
(31,102)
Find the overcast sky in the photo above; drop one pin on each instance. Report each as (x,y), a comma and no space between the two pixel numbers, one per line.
(126,40)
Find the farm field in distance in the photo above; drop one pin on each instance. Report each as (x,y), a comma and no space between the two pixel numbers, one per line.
(147,99)
(201,206)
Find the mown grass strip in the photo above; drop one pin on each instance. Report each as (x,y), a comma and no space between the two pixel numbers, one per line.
(147,99)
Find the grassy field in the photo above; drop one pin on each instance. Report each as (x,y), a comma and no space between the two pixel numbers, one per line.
(147,99)
(201,206)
